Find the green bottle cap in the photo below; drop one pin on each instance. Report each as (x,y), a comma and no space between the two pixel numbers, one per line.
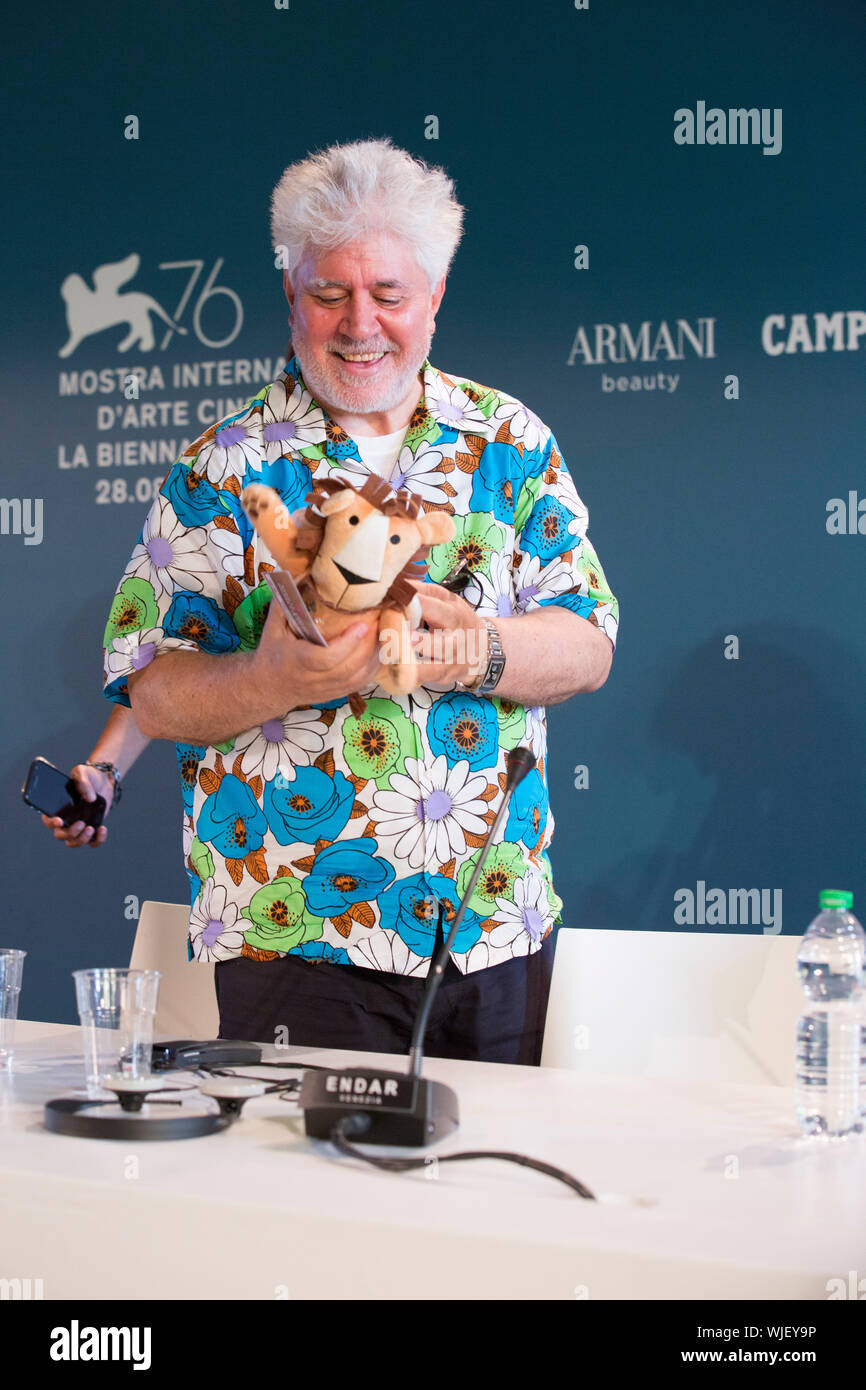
(835,897)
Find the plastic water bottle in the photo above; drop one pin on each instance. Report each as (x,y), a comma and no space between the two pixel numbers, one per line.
(831,1084)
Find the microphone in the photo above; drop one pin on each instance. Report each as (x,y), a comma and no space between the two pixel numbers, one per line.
(519,761)
(400,1107)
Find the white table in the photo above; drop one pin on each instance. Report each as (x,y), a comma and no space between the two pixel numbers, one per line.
(261,1212)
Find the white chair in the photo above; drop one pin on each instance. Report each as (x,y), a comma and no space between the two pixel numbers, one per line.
(187,1006)
(691,1006)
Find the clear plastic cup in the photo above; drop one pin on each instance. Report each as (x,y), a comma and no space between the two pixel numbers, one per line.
(11,969)
(117,1010)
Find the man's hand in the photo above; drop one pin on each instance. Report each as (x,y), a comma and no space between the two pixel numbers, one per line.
(90,782)
(295,672)
(455,648)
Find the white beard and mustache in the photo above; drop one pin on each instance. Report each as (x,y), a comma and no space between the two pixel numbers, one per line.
(329,389)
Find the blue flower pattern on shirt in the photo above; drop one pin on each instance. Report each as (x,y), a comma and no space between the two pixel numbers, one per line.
(341,839)
(201,621)
(312,807)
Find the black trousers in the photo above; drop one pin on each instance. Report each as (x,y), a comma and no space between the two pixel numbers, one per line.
(493,1015)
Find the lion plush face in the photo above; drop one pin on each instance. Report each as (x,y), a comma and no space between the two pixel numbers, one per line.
(364,549)
(356,547)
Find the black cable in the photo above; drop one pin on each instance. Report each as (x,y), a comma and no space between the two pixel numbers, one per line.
(288,1083)
(402,1165)
(289,1066)
(228,1068)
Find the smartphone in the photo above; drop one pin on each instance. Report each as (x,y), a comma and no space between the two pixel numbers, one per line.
(54,793)
(298,615)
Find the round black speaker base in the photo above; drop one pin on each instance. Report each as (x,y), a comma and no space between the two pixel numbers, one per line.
(69,1115)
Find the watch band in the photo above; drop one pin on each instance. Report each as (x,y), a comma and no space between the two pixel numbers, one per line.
(495,662)
(488,682)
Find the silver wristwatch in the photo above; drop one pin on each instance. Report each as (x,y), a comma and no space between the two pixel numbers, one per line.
(495,665)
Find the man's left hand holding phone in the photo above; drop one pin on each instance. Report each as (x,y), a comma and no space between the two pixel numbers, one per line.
(87,790)
(120,743)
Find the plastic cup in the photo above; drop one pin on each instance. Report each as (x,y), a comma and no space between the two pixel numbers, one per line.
(11,969)
(117,1010)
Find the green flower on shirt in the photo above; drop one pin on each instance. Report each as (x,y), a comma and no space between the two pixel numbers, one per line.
(586,563)
(526,499)
(280,918)
(134,607)
(478,539)
(378,742)
(422,429)
(249,616)
(553,898)
(504,864)
(488,401)
(201,859)
(512,722)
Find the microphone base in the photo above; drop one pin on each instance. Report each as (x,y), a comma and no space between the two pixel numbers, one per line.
(403,1110)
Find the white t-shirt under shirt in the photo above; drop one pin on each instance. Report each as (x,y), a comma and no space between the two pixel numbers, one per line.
(380,451)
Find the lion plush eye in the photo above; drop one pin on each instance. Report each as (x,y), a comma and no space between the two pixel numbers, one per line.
(395,540)
(353,521)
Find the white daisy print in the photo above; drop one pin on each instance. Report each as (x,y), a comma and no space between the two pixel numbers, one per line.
(215,925)
(354,472)
(429,809)
(451,404)
(170,556)
(536,730)
(524,424)
(135,650)
(234,449)
(534,581)
(293,420)
(524,921)
(385,950)
(607,621)
(478,958)
(278,744)
(493,594)
(229,548)
(417,472)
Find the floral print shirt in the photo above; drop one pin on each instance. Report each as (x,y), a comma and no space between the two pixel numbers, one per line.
(332,837)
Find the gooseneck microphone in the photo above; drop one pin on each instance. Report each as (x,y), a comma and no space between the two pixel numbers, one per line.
(404,1107)
(518,762)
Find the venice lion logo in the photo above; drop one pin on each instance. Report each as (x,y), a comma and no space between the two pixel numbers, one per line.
(91,311)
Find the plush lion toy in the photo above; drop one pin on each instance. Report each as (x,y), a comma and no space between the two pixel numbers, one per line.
(351,556)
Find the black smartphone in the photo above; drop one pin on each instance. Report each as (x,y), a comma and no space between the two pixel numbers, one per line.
(54,793)
(459,577)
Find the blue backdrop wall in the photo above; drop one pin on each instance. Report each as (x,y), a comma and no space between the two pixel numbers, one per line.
(727,747)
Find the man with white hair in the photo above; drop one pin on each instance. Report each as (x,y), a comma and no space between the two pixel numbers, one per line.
(328,851)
